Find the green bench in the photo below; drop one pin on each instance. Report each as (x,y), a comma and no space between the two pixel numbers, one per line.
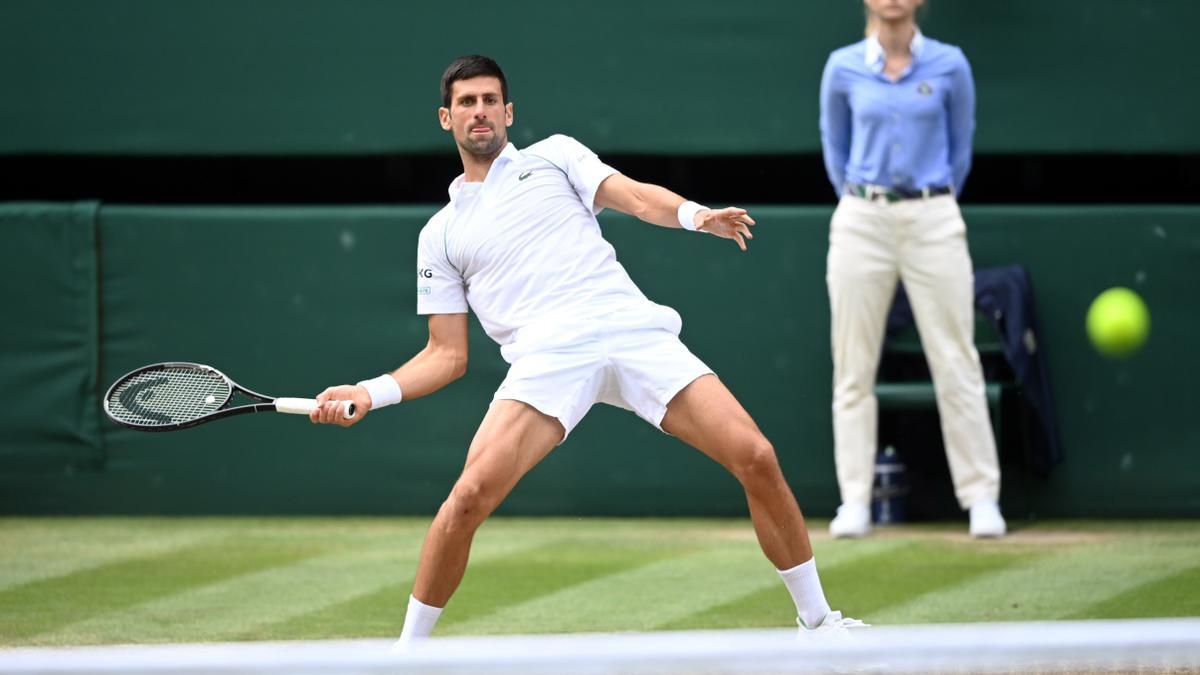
(920,396)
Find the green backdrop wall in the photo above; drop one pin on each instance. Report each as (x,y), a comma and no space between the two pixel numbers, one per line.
(283,77)
(49,323)
(289,300)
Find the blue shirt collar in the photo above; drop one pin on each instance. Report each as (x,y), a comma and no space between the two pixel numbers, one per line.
(875,58)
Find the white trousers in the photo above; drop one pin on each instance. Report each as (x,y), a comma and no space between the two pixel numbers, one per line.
(922,242)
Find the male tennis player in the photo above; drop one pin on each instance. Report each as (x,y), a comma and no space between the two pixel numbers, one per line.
(519,245)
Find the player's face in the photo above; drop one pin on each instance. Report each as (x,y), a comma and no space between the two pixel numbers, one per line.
(894,10)
(478,116)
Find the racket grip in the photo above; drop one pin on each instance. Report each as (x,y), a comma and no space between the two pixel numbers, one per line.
(304,406)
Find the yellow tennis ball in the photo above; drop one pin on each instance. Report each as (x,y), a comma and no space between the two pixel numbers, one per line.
(1118,322)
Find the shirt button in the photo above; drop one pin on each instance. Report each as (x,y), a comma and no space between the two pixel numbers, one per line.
(896,116)
(895,147)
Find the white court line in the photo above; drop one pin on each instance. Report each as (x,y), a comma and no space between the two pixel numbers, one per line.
(1065,646)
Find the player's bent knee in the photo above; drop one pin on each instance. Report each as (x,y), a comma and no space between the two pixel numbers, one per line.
(468,505)
(755,460)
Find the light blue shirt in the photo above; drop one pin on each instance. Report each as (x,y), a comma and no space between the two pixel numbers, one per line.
(913,133)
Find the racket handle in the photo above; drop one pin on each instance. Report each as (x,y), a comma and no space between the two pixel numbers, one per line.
(303,406)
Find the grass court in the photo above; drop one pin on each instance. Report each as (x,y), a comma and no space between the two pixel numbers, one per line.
(91,581)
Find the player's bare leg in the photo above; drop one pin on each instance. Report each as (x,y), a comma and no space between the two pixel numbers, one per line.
(706,416)
(511,440)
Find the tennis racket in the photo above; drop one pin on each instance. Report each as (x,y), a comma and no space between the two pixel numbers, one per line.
(173,396)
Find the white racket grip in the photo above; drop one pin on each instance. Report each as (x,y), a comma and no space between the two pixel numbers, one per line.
(303,406)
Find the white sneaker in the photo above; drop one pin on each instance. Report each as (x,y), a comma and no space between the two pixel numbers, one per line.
(833,622)
(986,520)
(852,520)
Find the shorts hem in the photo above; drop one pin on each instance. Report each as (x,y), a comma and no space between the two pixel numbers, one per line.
(673,391)
(544,409)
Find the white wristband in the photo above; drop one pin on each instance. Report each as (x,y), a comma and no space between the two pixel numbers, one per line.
(384,390)
(687,214)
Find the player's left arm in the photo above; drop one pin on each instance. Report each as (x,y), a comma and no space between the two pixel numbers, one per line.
(659,206)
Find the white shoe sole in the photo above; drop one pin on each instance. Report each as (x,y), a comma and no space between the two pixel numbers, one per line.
(839,533)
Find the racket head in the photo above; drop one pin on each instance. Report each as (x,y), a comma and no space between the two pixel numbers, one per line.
(168,396)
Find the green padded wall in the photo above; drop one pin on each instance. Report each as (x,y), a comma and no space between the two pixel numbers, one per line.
(278,77)
(1127,426)
(288,300)
(49,338)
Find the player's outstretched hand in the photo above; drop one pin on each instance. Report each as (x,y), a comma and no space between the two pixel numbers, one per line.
(729,222)
(330,411)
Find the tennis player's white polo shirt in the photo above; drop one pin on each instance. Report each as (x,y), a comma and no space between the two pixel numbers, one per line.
(524,245)
(524,251)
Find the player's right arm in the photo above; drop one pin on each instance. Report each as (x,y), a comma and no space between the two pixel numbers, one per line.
(441,295)
(442,361)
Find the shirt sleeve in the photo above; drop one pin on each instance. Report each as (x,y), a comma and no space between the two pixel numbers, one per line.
(835,127)
(584,169)
(440,287)
(961,120)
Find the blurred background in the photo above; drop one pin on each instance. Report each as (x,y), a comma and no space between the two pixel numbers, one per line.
(242,184)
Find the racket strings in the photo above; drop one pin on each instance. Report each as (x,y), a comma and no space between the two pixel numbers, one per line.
(168,396)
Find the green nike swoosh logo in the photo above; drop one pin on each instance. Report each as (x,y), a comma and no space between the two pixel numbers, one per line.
(524,175)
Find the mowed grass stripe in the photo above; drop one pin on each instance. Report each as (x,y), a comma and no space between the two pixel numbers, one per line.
(1175,595)
(907,569)
(294,578)
(41,606)
(496,585)
(1060,581)
(683,584)
(911,571)
(380,612)
(40,548)
(260,597)
(31,550)
(234,608)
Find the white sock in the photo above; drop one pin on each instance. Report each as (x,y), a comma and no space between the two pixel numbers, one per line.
(418,621)
(804,585)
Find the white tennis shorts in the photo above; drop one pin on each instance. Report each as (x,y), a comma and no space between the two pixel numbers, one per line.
(631,358)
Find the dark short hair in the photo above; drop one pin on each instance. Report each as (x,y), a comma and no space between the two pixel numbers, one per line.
(467,67)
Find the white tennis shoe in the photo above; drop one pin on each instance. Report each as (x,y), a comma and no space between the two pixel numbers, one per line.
(986,520)
(852,520)
(833,622)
